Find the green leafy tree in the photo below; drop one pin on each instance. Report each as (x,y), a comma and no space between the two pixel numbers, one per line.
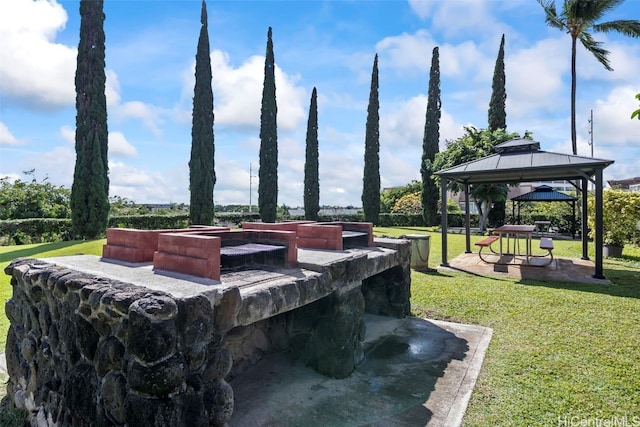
(430,141)
(20,199)
(371,175)
(579,18)
(202,176)
(620,216)
(475,144)
(90,189)
(637,112)
(390,196)
(268,173)
(311,177)
(410,204)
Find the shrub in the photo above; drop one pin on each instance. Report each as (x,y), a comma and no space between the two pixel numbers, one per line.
(620,216)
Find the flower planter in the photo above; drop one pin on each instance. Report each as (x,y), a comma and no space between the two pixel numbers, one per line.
(612,251)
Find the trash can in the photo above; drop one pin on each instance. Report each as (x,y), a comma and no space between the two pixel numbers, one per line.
(419,251)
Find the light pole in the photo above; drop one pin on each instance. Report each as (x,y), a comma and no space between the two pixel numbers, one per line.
(591,132)
(251,176)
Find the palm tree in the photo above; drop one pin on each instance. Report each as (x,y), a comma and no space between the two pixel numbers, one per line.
(578,18)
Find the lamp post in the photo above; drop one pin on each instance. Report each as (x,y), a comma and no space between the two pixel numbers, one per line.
(591,132)
(251,176)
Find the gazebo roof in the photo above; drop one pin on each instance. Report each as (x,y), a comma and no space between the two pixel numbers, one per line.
(523,160)
(544,193)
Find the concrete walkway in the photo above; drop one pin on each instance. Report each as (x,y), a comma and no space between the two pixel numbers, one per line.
(416,372)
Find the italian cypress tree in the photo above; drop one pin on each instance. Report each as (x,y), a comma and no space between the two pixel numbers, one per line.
(90,189)
(498,120)
(202,176)
(497,109)
(371,175)
(311,178)
(268,173)
(430,141)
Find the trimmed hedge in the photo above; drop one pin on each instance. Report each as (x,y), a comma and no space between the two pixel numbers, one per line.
(43,230)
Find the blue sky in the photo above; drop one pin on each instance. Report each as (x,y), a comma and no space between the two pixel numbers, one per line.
(330,45)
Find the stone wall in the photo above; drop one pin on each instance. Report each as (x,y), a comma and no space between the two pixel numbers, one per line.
(84,348)
(88,351)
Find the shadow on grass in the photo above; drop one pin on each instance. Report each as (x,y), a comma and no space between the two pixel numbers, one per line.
(442,273)
(625,283)
(35,250)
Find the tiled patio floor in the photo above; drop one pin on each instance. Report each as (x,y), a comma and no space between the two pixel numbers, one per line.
(561,269)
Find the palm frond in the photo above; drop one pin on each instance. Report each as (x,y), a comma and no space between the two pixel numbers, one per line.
(628,27)
(551,16)
(595,48)
(600,8)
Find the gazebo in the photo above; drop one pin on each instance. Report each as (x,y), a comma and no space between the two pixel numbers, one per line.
(521,160)
(545,193)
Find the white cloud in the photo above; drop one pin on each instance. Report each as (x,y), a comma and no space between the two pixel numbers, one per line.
(422,8)
(464,61)
(408,50)
(35,71)
(612,118)
(237,93)
(58,164)
(454,18)
(68,134)
(534,77)
(150,115)
(6,137)
(119,146)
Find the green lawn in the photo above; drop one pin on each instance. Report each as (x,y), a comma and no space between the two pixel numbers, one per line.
(559,350)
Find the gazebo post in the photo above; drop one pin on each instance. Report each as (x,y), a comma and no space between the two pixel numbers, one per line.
(443,220)
(573,219)
(467,217)
(585,244)
(599,274)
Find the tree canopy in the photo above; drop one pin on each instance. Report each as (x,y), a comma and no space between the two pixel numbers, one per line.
(202,176)
(472,145)
(497,104)
(430,143)
(268,172)
(311,178)
(90,188)
(23,199)
(371,174)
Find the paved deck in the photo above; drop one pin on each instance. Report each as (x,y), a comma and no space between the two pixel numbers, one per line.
(560,270)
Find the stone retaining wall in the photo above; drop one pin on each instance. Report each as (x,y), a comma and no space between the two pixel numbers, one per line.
(88,351)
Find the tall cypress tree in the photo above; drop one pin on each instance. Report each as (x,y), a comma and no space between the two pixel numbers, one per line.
(430,141)
(268,173)
(498,120)
(90,188)
(497,109)
(311,177)
(371,175)
(202,176)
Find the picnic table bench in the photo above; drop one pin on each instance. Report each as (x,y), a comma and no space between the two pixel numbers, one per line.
(546,243)
(486,243)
